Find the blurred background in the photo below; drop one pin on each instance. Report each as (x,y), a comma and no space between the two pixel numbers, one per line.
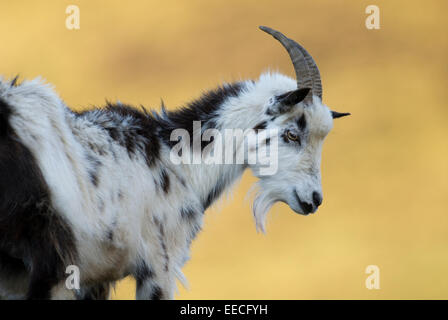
(385,168)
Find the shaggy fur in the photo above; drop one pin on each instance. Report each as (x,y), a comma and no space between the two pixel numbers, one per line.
(97,189)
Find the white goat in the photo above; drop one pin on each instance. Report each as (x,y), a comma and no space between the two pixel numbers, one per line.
(98,189)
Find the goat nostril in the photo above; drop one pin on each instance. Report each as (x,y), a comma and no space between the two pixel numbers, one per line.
(308,207)
(317,199)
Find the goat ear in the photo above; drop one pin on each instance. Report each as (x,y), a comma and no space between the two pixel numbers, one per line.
(293,97)
(284,102)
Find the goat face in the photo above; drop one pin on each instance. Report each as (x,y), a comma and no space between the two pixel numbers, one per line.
(302,123)
(300,128)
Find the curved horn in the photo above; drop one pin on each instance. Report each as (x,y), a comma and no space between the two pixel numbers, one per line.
(315,74)
(301,68)
(305,67)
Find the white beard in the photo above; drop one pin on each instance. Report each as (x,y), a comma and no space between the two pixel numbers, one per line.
(262,204)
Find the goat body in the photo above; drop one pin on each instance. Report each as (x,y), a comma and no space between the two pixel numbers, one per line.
(97,190)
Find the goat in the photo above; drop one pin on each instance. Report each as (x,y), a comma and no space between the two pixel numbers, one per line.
(97,189)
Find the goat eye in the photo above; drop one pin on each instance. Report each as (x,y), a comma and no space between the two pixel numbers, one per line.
(292,136)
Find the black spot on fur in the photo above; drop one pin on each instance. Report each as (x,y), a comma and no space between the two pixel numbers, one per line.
(96,292)
(114,133)
(11,267)
(4,116)
(164,249)
(94,165)
(143,272)
(165,180)
(97,149)
(268,141)
(132,129)
(203,109)
(8,263)
(301,123)
(156,293)
(166,257)
(214,194)
(30,229)
(261,126)
(93,178)
(110,235)
(111,229)
(187,213)
(145,128)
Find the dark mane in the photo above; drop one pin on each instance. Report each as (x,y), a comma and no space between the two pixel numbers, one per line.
(133,128)
(203,109)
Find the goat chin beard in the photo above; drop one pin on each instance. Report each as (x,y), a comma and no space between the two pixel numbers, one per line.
(262,204)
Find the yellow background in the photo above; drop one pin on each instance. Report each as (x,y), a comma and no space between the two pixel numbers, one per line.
(384,168)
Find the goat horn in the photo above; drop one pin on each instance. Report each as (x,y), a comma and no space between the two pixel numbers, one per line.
(336,114)
(307,73)
(315,74)
(301,68)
